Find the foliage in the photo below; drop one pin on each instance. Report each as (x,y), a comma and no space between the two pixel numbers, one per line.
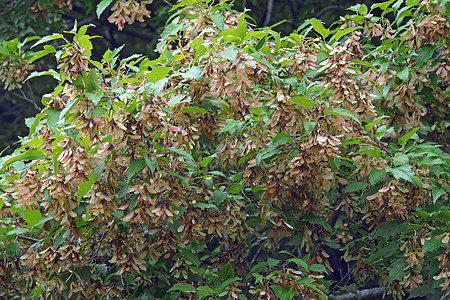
(238,164)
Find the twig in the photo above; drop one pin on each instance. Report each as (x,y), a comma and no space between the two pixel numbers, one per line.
(24,96)
(329,7)
(27,238)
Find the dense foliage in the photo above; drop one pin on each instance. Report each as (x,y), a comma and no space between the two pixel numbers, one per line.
(239,164)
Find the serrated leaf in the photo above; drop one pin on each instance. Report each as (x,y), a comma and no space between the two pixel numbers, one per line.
(193,258)
(92,82)
(150,163)
(302,101)
(204,290)
(272,262)
(32,216)
(182,288)
(299,262)
(218,20)
(48,38)
(404,172)
(193,73)
(192,109)
(309,126)
(396,272)
(136,166)
(219,196)
(376,175)
(102,6)
(317,268)
(354,187)
(84,188)
(182,152)
(31,154)
(229,54)
(346,31)
(424,54)
(318,26)
(84,273)
(158,73)
(432,245)
(47,49)
(437,192)
(407,136)
(403,74)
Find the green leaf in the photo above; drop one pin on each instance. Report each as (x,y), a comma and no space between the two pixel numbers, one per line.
(84,273)
(182,152)
(403,74)
(309,126)
(376,175)
(41,223)
(354,187)
(84,188)
(362,63)
(396,271)
(407,136)
(372,124)
(48,38)
(92,82)
(343,32)
(32,216)
(299,262)
(171,29)
(271,262)
(193,73)
(53,73)
(190,256)
(218,20)
(432,245)
(267,153)
(204,205)
(12,248)
(31,154)
(302,101)
(135,167)
(158,73)
(437,192)
(150,163)
(47,49)
(219,196)
(102,6)
(317,268)
(182,288)
(17,231)
(404,172)
(204,290)
(229,54)
(236,188)
(341,112)
(319,27)
(192,109)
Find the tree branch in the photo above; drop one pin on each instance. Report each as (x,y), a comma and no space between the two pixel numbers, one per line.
(374,293)
(24,96)
(269,13)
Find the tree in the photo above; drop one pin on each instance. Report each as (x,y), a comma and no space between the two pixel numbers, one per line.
(239,163)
